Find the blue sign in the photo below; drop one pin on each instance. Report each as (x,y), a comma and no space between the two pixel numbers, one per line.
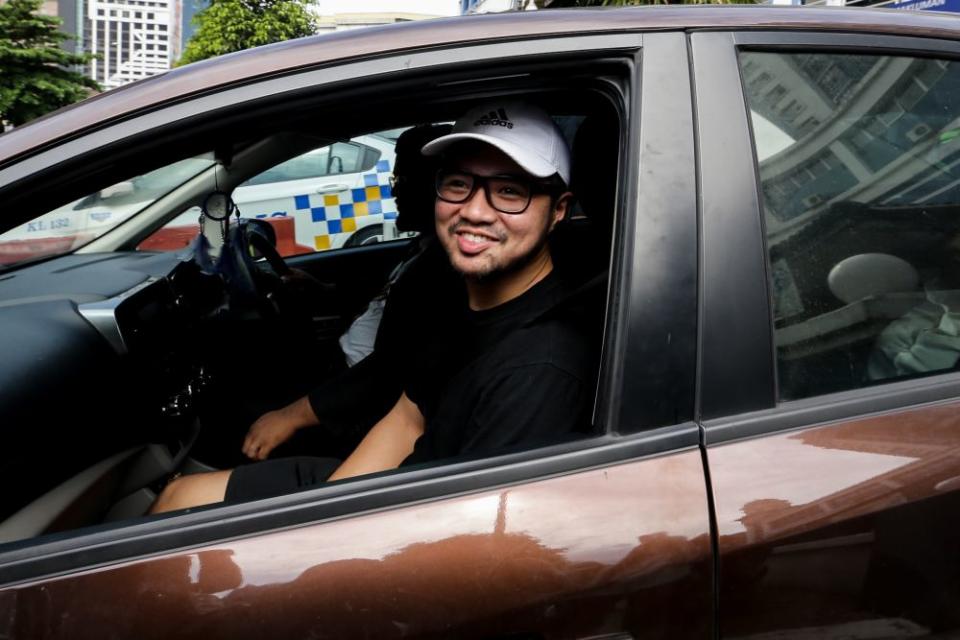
(927,5)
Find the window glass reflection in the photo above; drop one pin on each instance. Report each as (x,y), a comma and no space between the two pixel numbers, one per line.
(859,164)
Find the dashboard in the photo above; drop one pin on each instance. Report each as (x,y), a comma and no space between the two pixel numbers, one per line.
(118,367)
(102,352)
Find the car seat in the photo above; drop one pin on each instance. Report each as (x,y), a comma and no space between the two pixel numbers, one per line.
(581,244)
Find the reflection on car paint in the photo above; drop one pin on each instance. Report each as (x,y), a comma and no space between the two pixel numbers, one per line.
(841,530)
(637,557)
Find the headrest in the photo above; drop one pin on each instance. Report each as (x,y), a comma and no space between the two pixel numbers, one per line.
(596,150)
(871,274)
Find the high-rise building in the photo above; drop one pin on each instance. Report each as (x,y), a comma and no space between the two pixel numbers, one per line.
(337,15)
(490,6)
(71,13)
(134,38)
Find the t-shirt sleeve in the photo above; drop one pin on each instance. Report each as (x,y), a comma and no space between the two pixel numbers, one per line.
(525,407)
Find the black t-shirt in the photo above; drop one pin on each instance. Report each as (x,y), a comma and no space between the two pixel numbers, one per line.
(424,298)
(515,376)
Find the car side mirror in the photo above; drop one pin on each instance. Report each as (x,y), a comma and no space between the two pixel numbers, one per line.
(124,188)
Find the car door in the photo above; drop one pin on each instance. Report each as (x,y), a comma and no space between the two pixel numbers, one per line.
(829,380)
(605,537)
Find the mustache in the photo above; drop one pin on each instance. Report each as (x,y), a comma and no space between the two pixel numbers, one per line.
(459,224)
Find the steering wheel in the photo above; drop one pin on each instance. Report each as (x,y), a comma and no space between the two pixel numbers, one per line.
(278,288)
(262,243)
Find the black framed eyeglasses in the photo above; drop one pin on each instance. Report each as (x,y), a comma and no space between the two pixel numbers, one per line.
(507,194)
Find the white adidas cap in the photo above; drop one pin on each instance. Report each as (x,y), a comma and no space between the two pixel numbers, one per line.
(522,131)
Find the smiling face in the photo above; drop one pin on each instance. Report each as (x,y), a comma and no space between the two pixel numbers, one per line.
(483,242)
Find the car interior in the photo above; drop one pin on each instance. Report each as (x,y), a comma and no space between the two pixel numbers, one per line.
(134,366)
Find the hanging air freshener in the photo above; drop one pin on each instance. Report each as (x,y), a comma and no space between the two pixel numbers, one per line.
(218,206)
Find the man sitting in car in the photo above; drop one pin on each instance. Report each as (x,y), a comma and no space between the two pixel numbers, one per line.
(513,367)
(347,405)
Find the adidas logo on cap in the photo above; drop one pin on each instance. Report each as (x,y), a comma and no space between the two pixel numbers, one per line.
(496,118)
(529,136)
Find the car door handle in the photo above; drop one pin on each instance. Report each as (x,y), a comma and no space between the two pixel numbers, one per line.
(332,188)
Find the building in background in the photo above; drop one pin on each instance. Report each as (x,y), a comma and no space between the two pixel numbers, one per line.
(337,15)
(70,12)
(134,38)
(952,6)
(489,6)
(139,38)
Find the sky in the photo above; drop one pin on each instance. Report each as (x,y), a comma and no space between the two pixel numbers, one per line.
(427,7)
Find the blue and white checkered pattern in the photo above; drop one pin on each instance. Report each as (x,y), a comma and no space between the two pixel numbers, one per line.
(338,213)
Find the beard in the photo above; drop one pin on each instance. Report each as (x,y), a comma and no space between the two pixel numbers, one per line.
(494,269)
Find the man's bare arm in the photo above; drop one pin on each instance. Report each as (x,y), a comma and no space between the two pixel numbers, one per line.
(384,447)
(387,444)
(276,427)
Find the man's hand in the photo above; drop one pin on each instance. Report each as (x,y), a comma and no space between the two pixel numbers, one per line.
(276,427)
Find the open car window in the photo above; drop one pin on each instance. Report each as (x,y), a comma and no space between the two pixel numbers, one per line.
(333,196)
(185,335)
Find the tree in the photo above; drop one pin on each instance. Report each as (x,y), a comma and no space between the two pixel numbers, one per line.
(35,74)
(233,25)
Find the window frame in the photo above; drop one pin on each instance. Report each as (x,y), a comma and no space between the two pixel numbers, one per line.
(757,410)
(625,365)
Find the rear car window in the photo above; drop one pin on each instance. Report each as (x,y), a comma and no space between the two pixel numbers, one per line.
(859,165)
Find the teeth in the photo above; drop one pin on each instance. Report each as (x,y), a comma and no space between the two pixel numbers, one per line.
(472,237)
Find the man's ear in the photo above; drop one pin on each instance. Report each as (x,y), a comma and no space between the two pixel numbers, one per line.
(561,208)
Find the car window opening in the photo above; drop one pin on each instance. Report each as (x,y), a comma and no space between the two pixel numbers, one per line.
(295,327)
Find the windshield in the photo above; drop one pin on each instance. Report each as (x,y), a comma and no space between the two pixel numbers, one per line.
(77,223)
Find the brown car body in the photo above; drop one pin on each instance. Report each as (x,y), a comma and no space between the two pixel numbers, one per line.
(485,564)
(850,532)
(774,520)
